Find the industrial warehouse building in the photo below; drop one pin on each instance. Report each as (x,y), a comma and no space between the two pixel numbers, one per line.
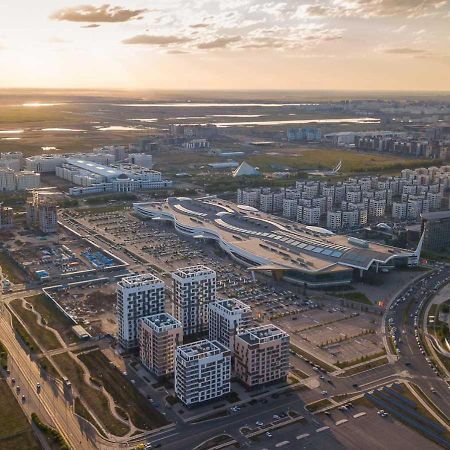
(93,178)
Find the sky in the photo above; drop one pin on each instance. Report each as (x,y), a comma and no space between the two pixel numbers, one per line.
(226,44)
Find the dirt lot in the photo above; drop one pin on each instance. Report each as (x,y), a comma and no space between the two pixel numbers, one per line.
(93,306)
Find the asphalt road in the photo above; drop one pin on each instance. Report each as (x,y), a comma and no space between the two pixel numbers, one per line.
(403,319)
(49,403)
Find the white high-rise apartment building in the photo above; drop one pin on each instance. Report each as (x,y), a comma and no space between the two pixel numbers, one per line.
(290,206)
(27,180)
(137,296)
(159,336)
(7,180)
(44,163)
(377,208)
(226,318)
(399,210)
(202,371)
(350,219)
(6,217)
(18,181)
(334,220)
(193,289)
(311,216)
(261,355)
(141,159)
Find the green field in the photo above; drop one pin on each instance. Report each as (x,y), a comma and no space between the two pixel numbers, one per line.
(319,158)
(53,317)
(93,398)
(141,413)
(15,431)
(24,335)
(319,404)
(45,337)
(3,356)
(10,269)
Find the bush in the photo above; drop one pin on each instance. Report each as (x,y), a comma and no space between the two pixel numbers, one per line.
(50,432)
(3,356)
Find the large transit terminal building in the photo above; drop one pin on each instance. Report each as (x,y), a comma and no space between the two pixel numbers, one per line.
(300,254)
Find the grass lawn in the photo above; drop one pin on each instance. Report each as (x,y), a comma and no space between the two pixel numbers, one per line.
(53,317)
(215,441)
(355,297)
(10,269)
(300,374)
(319,404)
(85,414)
(141,413)
(368,365)
(15,431)
(3,356)
(93,398)
(24,335)
(46,338)
(48,366)
(306,158)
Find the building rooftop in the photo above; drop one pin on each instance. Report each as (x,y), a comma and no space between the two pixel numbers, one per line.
(187,272)
(94,167)
(269,242)
(201,349)
(139,280)
(262,334)
(232,304)
(161,322)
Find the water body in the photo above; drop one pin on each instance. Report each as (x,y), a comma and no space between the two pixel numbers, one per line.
(39,104)
(243,116)
(61,129)
(211,105)
(11,131)
(121,128)
(186,117)
(359,120)
(145,120)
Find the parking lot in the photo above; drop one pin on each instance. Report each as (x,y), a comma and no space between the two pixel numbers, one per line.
(335,334)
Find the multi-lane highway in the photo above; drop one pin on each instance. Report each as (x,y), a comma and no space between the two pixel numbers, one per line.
(49,401)
(404,316)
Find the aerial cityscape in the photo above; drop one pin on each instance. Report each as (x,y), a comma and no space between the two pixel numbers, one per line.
(225,225)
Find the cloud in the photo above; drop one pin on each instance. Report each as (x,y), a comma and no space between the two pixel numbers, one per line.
(103,13)
(318,10)
(405,51)
(221,42)
(162,40)
(375,8)
(57,40)
(91,25)
(177,52)
(199,25)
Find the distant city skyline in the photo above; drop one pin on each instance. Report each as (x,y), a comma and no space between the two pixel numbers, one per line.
(213,44)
